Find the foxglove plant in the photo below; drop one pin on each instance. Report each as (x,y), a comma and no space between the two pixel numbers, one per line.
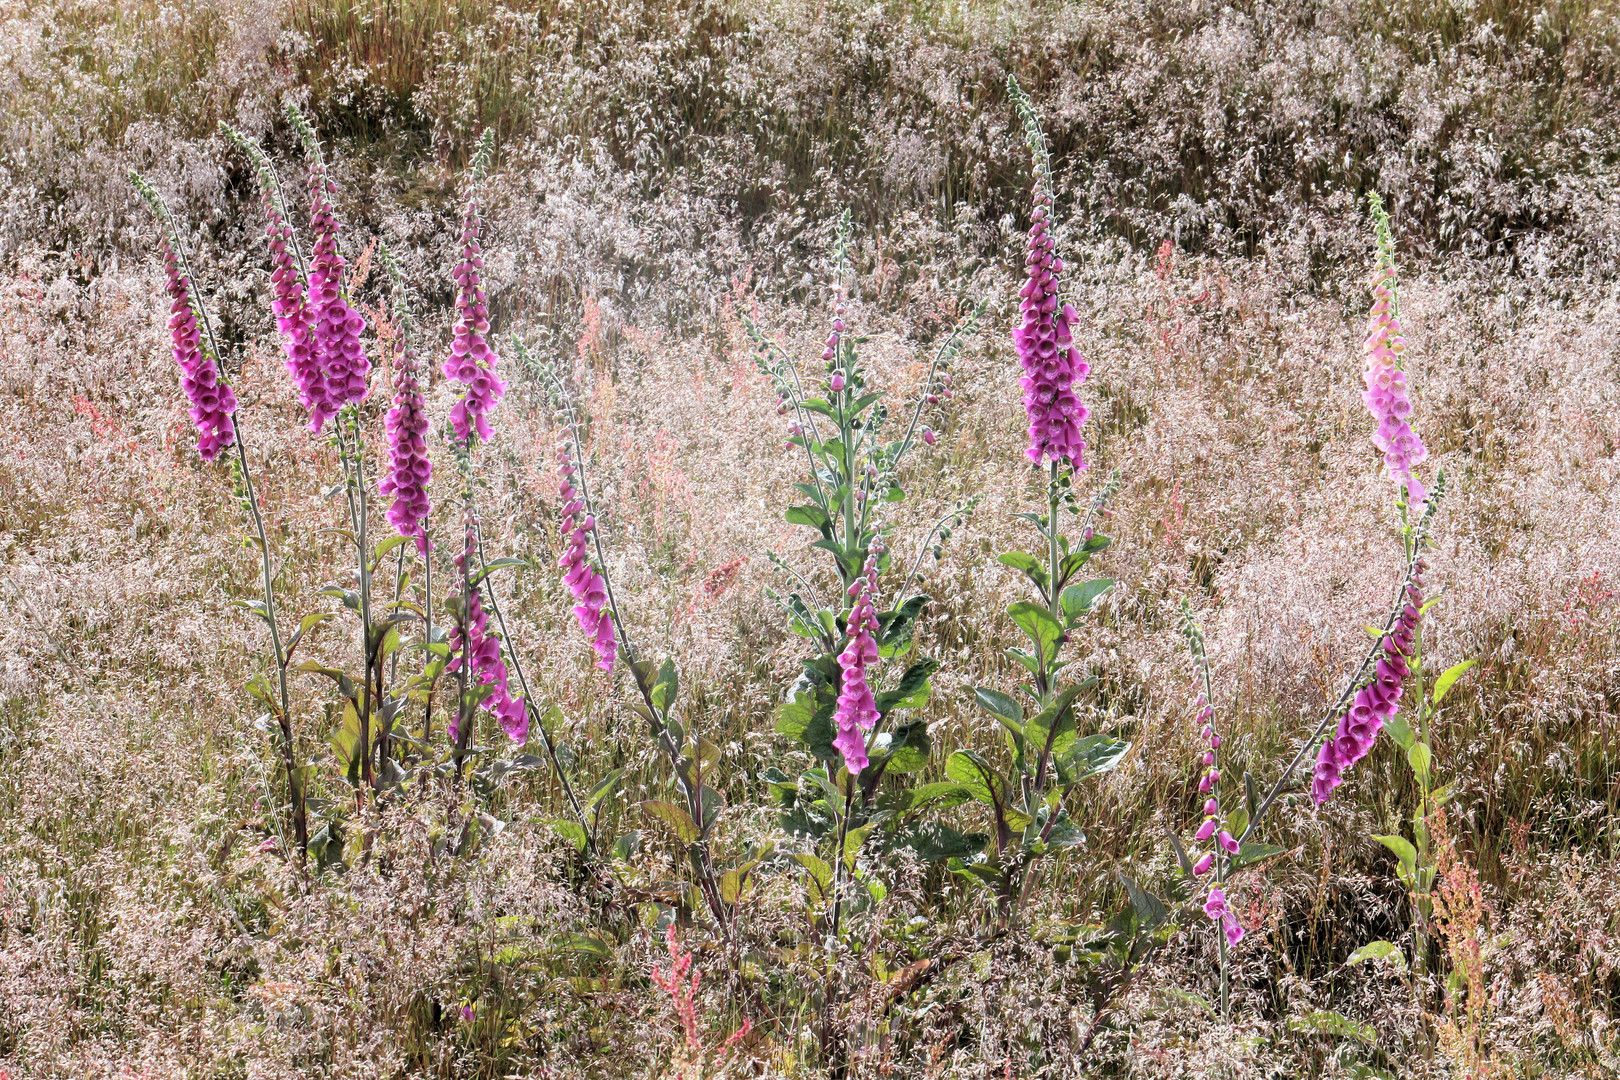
(475,653)
(694,818)
(410,470)
(215,416)
(1049,757)
(836,710)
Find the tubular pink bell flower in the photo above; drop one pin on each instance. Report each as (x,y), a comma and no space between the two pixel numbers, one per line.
(582,578)
(1386,394)
(409,469)
(471,360)
(212,402)
(1045,346)
(336,326)
(1206,786)
(857,708)
(1215,907)
(471,643)
(1375,703)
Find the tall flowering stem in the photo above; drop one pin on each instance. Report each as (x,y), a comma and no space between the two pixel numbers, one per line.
(409,468)
(475,654)
(197,354)
(656,687)
(471,361)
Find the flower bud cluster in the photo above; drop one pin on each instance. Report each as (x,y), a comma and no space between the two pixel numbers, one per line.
(857,712)
(409,469)
(471,361)
(212,401)
(473,645)
(581,577)
(1207,786)
(1376,702)
(1045,346)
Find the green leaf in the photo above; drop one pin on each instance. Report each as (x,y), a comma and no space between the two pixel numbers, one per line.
(1149,908)
(675,817)
(906,749)
(1250,854)
(941,796)
(604,788)
(1071,564)
(1093,755)
(490,567)
(934,842)
(820,876)
(384,547)
(666,687)
(895,628)
(912,691)
(1445,682)
(976,776)
(1379,950)
(1044,630)
(586,944)
(570,831)
(1098,542)
(1052,730)
(1405,854)
(1400,731)
(1030,565)
(1181,855)
(1420,758)
(996,703)
(1077,600)
(1326,1022)
(811,515)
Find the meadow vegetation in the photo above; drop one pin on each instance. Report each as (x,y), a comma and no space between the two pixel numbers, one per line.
(661,869)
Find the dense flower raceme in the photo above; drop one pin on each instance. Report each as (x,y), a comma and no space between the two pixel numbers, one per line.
(471,360)
(1386,394)
(857,709)
(294,318)
(409,469)
(1208,786)
(1376,702)
(1045,346)
(336,326)
(582,578)
(472,644)
(212,402)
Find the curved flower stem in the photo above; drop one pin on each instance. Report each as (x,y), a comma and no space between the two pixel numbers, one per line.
(295,787)
(528,699)
(951,345)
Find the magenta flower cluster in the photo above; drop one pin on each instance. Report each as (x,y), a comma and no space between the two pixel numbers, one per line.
(1207,786)
(409,469)
(473,645)
(1045,346)
(857,711)
(471,360)
(336,326)
(294,318)
(212,402)
(1386,394)
(582,578)
(1376,702)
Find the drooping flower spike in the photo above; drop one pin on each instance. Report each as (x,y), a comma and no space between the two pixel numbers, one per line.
(1044,337)
(579,574)
(1376,703)
(472,361)
(472,645)
(1218,911)
(856,712)
(213,404)
(335,326)
(1387,391)
(409,468)
(289,283)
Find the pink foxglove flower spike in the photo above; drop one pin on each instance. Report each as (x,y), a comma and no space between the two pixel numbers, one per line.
(857,711)
(410,470)
(471,361)
(581,577)
(212,402)
(472,644)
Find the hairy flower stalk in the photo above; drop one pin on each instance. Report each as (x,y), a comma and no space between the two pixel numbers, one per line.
(1377,702)
(472,646)
(1044,337)
(471,361)
(579,574)
(857,708)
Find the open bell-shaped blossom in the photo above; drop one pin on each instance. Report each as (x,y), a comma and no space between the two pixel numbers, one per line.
(579,574)
(1217,910)
(409,467)
(471,361)
(472,645)
(336,327)
(1386,395)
